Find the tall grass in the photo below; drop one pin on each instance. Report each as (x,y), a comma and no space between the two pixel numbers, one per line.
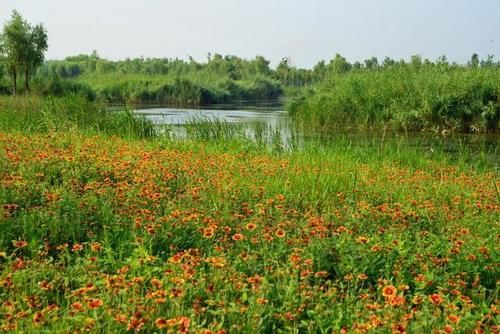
(213,129)
(430,98)
(161,81)
(169,90)
(72,113)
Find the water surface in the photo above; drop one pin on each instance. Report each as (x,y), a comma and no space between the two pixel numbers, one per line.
(269,124)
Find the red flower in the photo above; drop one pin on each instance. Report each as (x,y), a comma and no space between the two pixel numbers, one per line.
(161,323)
(436,299)
(95,303)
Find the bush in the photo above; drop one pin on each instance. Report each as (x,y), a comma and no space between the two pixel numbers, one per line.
(54,86)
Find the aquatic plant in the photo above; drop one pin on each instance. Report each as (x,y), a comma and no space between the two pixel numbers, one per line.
(428,98)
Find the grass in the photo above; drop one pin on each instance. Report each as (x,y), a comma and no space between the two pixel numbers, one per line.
(106,232)
(73,113)
(171,90)
(160,81)
(431,98)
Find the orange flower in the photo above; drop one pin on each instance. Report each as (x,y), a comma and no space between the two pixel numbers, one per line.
(138,280)
(362,277)
(238,237)
(38,318)
(44,285)
(280,233)
(436,299)
(77,306)
(363,240)
(95,303)
(251,226)
(138,222)
(136,324)
(121,318)
(95,247)
(182,323)
(389,291)
(20,243)
(208,232)
(397,300)
(256,280)
(454,318)
(321,274)
(161,323)
(62,247)
(156,283)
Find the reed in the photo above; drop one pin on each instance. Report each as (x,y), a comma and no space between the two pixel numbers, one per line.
(431,99)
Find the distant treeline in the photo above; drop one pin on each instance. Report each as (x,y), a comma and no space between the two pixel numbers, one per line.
(416,96)
(169,81)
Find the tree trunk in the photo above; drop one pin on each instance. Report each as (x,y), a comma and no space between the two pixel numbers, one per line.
(27,81)
(14,83)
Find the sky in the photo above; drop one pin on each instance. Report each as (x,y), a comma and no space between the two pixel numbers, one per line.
(304,31)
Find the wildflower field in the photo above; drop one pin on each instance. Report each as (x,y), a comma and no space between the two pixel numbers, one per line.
(337,198)
(103,234)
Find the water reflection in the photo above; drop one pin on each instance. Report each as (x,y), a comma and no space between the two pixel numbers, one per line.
(268,124)
(175,116)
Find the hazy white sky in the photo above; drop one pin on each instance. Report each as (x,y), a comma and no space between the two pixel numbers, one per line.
(305,31)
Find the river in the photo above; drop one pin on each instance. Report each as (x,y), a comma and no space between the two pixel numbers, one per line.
(268,123)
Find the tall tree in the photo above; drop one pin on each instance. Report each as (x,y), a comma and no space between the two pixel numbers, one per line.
(474,61)
(371,63)
(283,71)
(37,38)
(14,42)
(339,64)
(23,47)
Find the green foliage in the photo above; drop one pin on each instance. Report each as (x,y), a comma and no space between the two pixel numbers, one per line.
(14,42)
(71,113)
(339,64)
(165,81)
(23,46)
(418,96)
(102,234)
(53,85)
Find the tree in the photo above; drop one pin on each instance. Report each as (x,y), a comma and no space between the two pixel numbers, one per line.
(339,64)
(388,62)
(357,65)
(319,71)
(488,62)
(37,41)
(14,42)
(442,62)
(371,63)
(283,71)
(416,62)
(474,61)
(23,47)
(261,65)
